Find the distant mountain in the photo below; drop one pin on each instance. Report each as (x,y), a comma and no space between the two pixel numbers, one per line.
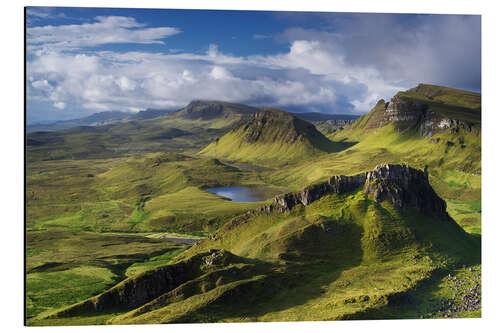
(214,114)
(271,135)
(98,119)
(150,114)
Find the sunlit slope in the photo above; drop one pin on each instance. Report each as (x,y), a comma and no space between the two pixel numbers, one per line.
(327,252)
(271,138)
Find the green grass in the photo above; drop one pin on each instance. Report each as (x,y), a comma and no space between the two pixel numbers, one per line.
(50,290)
(153,192)
(349,253)
(153,262)
(467,214)
(273,138)
(66,267)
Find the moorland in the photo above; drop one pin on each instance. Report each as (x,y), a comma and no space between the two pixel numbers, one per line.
(371,218)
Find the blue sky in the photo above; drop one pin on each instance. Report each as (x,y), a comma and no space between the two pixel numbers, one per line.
(86,60)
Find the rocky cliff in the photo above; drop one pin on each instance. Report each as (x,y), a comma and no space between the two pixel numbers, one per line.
(402,185)
(427,109)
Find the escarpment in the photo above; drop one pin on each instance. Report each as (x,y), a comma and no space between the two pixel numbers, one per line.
(402,185)
(427,109)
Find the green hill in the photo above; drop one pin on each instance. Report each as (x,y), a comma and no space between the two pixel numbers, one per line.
(334,250)
(271,137)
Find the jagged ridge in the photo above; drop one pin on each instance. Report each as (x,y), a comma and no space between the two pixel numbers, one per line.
(426,109)
(400,184)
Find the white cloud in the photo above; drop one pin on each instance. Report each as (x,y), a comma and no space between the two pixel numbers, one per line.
(60,105)
(106,30)
(42,85)
(125,84)
(332,72)
(220,73)
(439,49)
(308,77)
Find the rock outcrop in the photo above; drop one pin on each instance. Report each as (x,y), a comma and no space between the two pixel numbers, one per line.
(402,185)
(405,187)
(427,110)
(340,122)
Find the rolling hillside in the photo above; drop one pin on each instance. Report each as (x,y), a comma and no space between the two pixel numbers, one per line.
(333,250)
(335,247)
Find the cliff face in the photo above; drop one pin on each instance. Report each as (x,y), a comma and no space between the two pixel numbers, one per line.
(405,187)
(400,184)
(407,113)
(427,109)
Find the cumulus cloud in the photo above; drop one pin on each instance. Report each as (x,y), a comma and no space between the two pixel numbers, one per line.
(308,77)
(105,30)
(141,80)
(439,49)
(365,59)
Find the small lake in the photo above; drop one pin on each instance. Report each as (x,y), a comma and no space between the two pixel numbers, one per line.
(243,193)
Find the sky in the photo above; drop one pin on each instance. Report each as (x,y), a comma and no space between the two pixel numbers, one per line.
(81,61)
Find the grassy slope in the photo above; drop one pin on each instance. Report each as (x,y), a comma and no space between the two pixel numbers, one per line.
(349,253)
(110,199)
(83,263)
(273,138)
